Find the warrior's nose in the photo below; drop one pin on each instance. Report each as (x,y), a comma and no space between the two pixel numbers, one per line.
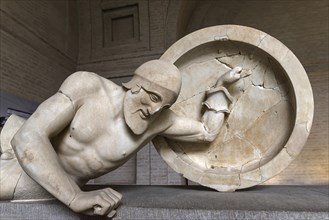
(152,112)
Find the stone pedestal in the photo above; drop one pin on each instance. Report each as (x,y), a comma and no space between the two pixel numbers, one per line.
(177,202)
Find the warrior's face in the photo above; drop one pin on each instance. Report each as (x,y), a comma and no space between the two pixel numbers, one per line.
(141,108)
(155,86)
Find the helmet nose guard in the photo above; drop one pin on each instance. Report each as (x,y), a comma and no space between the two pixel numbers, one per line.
(159,77)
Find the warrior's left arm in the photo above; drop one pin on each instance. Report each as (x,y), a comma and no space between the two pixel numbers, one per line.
(217,104)
(205,130)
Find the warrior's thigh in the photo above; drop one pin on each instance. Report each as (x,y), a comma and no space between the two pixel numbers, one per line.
(15,184)
(27,188)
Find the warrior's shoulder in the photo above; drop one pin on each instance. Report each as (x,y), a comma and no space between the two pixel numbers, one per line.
(85,83)
(83,78)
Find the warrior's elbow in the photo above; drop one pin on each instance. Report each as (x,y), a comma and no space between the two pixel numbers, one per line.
(209,137)
(21,142)
(24,151)
(16,141)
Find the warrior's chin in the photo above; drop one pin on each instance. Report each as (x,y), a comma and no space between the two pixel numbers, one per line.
(136,124)
(135,119)
(137,129)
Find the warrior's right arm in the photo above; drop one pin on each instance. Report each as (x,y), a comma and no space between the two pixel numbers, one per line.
(38,158)
(34,150)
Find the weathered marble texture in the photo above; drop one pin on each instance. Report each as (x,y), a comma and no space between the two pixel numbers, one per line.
(270,118)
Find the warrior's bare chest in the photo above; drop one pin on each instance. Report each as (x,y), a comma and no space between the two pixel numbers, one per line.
(103,132)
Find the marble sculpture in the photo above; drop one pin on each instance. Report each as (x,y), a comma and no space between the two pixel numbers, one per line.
(206,103)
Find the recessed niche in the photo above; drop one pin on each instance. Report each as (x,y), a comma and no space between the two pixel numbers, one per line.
(119,28)
(120,25)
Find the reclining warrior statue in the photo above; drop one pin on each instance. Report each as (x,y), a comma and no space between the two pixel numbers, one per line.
(91,126)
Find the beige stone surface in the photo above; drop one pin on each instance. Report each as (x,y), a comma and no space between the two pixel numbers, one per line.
(234,119)
(55,152)
(270,117)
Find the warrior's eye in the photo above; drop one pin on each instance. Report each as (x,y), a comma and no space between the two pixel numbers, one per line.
(166,107)
(154,97)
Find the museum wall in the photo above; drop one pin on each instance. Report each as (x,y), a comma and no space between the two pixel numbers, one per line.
(303,27)
(115,37)
(39,46)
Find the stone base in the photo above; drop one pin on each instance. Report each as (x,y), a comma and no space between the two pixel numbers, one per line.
(193,202)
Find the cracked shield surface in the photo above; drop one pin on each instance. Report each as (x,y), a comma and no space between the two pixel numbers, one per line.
(270,117)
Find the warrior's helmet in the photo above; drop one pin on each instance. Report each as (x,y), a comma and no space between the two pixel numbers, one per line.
(159,77)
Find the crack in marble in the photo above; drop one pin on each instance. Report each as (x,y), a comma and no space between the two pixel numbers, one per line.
(255,66)
(262,39)
(181,68)
(292,156)
(199,93)
(263,88)
(243,61)
(268,65)
(240,182)
(263,76)
(222,38)
(230,55)
(305,123)
(235,45)
(250,161)
(265,110)
(255,150)
(67,96)
(198,62)
(262,177)
(284,56)
(246,129)
(225,64)
(240,167)
(15,188)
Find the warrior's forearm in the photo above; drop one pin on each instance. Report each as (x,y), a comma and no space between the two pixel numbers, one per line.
(217,104)
(212,122)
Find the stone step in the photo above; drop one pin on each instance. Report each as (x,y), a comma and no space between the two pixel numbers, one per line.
(191,202)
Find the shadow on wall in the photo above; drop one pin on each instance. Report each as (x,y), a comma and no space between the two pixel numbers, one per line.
(12,104)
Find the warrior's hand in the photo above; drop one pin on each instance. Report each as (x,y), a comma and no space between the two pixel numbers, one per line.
(231,76)
(98,202)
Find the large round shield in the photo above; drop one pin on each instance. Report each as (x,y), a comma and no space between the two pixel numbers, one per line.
(270,117)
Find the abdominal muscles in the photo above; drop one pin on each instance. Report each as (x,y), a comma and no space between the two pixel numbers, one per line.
(85,165)
(83,161)
(88,161)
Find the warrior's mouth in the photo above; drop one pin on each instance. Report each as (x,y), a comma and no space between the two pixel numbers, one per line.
(143,114)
